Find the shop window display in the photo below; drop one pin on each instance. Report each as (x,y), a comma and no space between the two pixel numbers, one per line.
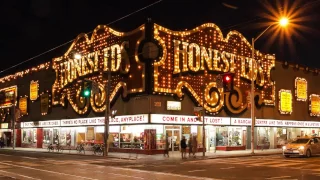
(235,135)
(222,136)
(263,140)
(228,136)
(47,136)
(28,136)
(281,136)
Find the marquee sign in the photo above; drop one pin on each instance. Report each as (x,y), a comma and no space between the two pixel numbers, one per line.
(104,47)
(191,59)
(9,95)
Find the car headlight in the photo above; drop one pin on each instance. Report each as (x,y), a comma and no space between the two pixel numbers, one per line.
(301,147)
(284,147)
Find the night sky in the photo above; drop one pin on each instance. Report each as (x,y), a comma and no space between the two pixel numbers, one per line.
(31,27)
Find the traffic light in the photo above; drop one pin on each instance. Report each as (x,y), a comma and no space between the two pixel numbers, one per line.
(227,79)
(198,114)
(86,88)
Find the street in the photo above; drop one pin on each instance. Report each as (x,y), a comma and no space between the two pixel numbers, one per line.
(35,165)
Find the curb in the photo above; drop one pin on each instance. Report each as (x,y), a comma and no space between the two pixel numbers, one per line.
(141,159)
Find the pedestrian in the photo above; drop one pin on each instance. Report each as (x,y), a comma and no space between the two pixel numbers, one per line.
(8,142)
(194,146)
(183,146)
(190,145)
(1,142)
(166,147)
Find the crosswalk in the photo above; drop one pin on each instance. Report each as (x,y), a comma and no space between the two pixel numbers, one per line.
(268,161)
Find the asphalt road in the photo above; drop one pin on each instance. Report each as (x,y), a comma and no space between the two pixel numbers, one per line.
(47,166)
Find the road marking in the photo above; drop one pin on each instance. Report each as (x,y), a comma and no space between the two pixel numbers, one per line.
(160,173)
(134,177)
(36,169)
(279,177)
(227,168)
(16,174)
(5,155)
(28,157)
(197,170)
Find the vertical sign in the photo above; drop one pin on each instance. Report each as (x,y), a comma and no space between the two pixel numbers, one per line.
(34,88)
(285,104)
(44,103)
(23,105)
(301,90)
(314,106)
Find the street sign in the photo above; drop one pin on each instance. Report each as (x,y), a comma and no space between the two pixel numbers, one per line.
(219,81)
(197,108)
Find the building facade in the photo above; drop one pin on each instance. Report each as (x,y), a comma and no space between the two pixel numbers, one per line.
(158,77)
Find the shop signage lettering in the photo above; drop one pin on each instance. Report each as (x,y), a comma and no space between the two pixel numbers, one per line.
(179,119)
(205,52)
(134,119)
(41,124)
(240,121)
(130,119)
(284,123)
(174,105)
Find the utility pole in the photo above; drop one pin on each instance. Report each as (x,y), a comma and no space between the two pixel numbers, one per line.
(14,120)
(107,112)
(203,129)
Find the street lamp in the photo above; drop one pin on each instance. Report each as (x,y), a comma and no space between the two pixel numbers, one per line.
(283,22)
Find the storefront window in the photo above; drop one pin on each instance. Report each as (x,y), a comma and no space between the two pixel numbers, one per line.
(222,136)
(263,137)
(235,136)
(281,136)
(28,136)
(67,136)
(47,136)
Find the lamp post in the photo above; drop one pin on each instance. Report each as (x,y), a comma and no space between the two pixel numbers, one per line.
(13,119)
(282,22)
(107,112)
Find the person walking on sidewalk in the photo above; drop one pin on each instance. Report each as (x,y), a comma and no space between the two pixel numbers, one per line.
(1,142)
(190,145)
(194,146)
(183,146)
(263,142)
(166,146)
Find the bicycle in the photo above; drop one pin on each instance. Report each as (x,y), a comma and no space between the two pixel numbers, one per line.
(50,148)
(80,148)
(98,149)
(59,148)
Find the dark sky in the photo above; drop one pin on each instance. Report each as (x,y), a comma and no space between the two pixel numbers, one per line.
(31,27)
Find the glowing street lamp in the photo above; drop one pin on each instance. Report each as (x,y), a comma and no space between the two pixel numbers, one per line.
(283,22)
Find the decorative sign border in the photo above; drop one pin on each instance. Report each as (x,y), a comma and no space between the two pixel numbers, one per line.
(310,97)
(301,80)
(285,91)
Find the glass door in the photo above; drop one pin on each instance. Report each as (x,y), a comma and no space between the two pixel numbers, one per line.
(174,139)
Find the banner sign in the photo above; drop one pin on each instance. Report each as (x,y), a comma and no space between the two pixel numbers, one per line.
(180,119)
(53,123)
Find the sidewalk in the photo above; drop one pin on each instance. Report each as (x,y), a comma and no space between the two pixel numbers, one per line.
(173,155)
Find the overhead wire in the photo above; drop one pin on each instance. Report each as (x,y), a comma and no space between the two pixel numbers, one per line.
(61,45)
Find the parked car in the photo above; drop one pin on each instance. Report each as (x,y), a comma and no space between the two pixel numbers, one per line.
(304,146)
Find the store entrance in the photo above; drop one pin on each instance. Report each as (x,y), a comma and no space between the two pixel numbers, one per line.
(174,139)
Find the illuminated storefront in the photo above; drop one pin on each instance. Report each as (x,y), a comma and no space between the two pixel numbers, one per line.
(160,93)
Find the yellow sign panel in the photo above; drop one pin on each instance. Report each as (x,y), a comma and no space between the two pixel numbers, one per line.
(34,87)
(285,105)
(314,105)
(23,105)
(301,89)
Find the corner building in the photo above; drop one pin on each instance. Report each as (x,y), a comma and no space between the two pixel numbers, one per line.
(158,77)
